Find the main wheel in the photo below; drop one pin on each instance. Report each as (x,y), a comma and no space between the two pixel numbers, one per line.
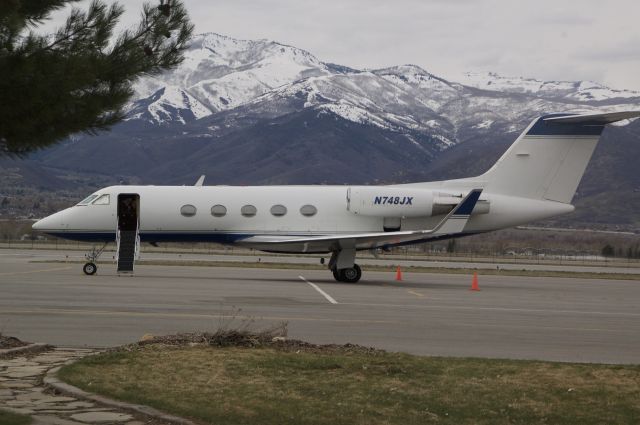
(336,274)
(90,268)
(351,275)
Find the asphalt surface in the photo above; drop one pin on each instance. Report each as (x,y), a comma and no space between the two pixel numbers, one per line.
(561,319)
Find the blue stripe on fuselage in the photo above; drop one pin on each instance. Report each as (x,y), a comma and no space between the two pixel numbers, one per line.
(224,238)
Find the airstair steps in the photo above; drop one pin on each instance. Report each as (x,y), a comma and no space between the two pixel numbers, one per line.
(127,251)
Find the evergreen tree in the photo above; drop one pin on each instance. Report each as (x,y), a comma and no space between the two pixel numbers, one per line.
(451,246)
(608,251)
(79,78)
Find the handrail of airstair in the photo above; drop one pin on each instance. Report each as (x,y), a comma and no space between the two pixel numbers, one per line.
(136,255)
(117,256)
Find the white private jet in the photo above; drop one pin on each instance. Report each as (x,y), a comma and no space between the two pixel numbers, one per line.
(534,179)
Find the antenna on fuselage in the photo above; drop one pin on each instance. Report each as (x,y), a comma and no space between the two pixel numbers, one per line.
(200,181)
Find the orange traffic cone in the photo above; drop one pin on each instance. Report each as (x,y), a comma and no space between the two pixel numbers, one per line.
(474,282)
(398,274)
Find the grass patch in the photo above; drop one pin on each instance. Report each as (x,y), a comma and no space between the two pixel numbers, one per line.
(9,418)
(271,385)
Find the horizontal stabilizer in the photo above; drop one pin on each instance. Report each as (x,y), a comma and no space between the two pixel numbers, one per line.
(594,119)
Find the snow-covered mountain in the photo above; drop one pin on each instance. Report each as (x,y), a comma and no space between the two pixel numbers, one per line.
(221,73)
(168,104)
(581,91)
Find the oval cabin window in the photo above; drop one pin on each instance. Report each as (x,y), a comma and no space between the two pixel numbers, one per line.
(188,210)
(218,210)
(278,210)
(308,210)
(248,211)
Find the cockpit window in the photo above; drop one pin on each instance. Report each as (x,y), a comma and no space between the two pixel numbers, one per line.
(102,200)
(87,200)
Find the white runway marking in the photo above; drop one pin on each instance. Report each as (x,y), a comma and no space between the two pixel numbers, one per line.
(417,294)
(324,294)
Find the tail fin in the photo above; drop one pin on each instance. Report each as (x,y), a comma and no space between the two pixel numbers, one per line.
(548,159)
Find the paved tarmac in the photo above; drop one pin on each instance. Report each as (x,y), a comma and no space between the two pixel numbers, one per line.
(435,314)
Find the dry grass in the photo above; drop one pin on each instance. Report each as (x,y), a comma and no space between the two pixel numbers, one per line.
(268,385)
(9,418)
(10,342)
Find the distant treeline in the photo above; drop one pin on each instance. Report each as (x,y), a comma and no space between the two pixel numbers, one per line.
(621,251)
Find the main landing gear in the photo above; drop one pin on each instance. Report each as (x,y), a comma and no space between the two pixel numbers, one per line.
(349,275)
(343,266)
(92,256)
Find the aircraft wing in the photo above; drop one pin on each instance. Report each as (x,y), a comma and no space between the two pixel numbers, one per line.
(451,224)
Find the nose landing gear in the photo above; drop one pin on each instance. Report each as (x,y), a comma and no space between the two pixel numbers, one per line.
(92,256)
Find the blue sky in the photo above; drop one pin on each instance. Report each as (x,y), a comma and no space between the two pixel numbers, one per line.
(559,40)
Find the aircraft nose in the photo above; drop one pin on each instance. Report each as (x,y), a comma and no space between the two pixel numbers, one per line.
(38,225)
(42,224)
(49,223)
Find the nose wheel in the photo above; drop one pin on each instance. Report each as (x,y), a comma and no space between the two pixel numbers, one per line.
(90,269)
(348,275)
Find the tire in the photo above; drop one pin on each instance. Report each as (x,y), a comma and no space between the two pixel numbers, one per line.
(90,269)
(351,275)
(336,275)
